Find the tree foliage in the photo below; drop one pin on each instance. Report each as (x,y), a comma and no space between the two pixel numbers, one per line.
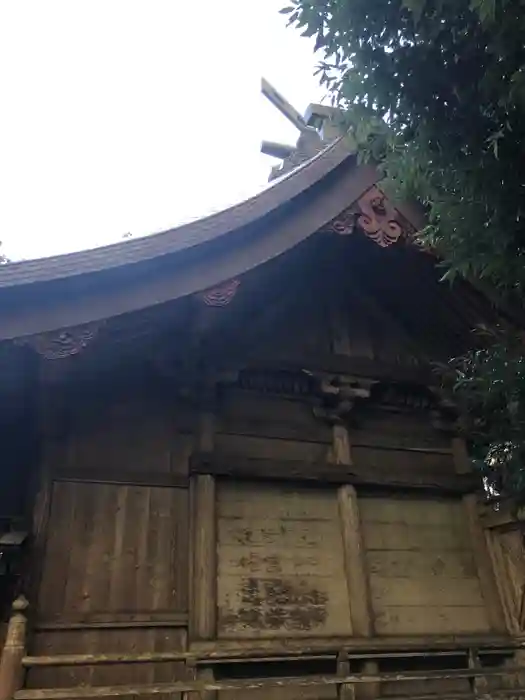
(435,92)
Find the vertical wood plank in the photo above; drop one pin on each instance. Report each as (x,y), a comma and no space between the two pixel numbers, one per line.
(478,684)
(355,566)
(341,445)
(506,549)
(480,548)
(356,579)
(203,523)
(369,691)
(204,569)
(346,691)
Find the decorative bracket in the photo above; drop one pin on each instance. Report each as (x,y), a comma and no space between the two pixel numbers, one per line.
(55,345)
(339,395)
(376,217)
(221,295)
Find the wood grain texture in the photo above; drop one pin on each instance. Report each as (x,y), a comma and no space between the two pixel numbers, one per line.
(267,448)
(257,415)
(380,646)
(14,649)
(393,459)
(114,550)
(353,547)
(408,598)
(329,472)
(484,563)
(484,566)
(369,691)
(382,428)
(507,553)
(203,612)
(114,643)
(346,692)
(247,684)
(144,437)
(280,563)
(355,562)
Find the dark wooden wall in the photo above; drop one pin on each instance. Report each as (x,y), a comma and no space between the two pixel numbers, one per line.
(234,519)
(114,551)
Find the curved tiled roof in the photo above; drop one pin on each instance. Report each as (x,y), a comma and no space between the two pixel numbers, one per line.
(183,237)
(37,296)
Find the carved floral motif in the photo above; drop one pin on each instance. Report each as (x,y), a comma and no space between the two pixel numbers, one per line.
(378,219)
(220,295)
(375,216)
(56,345)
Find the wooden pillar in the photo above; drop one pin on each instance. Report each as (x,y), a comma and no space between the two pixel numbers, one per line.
(346,691)
(203,674)
(478,684)
(355,566)
(203,583)
(484,566)
(204,569)
(369,691)
(11,669)
(358,591)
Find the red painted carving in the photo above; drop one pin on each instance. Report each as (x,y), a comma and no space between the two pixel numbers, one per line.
(375,216)
(56,345)
(378,219)
(221,295)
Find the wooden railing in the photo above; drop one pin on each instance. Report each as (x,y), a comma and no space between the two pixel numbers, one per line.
(83,692)
(14,662)
(474,673)
(11,667)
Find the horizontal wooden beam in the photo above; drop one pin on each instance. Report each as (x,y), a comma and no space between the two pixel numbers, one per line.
(112,621)
(327,472)
(354,366)
(395,644)
(105,659)
(258,683)
(305,654)
(110,475)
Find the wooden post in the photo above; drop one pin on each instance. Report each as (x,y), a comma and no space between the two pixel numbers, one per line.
(11,669)
(355,566)
(479,685)
(204,574)
(369,691)
(346,691)
(361,612)
(489,589)
(203,584)
(205,675)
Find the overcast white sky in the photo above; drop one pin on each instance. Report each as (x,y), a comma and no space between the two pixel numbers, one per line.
(134,116)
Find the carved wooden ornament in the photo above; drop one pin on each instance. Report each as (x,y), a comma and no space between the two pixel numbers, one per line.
(56,345)
(375,216)
(378,219)
(220,295)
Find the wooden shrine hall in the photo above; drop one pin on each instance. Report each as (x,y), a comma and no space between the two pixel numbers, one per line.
(228,470)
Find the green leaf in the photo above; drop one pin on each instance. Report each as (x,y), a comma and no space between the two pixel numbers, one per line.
(486,9)
(416,7)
